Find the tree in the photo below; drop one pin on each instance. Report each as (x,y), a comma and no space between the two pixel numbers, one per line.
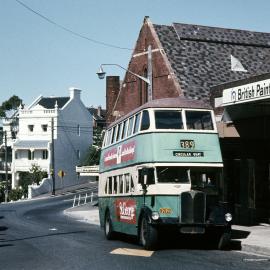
(93,154)
(11,104)
(24,181)
(37,174)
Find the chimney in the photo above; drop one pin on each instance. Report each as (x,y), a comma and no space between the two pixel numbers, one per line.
(99,111)
(112,90)
(75,93)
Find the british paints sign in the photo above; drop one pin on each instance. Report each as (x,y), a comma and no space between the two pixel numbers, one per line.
(120,154)
(246,93)
(125,210)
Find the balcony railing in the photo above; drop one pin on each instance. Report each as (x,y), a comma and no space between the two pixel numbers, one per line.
(3,166)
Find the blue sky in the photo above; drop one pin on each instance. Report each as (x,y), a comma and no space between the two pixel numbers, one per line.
(37,58)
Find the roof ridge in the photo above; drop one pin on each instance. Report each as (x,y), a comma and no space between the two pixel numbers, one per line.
(220,27)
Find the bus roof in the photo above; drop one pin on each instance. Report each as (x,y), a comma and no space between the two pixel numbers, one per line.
(178,102)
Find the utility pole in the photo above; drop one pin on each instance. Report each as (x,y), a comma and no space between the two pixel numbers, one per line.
(52,160)
(6,167)
(150,73)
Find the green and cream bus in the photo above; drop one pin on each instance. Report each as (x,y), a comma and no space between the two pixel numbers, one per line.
(161,169)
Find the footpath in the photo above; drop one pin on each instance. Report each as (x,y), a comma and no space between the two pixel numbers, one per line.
(252,239)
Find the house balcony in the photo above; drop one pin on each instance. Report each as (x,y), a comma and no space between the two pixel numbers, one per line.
(25,165)
(38,112)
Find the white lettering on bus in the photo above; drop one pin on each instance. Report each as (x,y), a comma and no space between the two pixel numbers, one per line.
(126,212)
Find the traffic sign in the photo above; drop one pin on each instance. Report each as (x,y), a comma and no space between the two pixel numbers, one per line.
(61,173)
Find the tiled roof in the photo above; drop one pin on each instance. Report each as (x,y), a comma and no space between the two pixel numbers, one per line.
(94,113)
(49,102)
(200,56)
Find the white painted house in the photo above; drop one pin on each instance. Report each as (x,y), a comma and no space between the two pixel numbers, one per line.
(72,135)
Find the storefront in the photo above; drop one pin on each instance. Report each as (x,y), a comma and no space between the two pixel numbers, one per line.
(244,129)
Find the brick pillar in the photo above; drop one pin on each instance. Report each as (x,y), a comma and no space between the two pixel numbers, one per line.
(112,90)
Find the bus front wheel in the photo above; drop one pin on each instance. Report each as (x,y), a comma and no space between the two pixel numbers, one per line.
(108,229)
(148,235)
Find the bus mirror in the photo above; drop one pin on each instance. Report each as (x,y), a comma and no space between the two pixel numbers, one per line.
(145,179)
(145,173)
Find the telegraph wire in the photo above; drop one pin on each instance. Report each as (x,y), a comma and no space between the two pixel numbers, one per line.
(69,30)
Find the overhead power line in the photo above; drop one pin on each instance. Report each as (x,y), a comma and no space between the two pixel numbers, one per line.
(69,30)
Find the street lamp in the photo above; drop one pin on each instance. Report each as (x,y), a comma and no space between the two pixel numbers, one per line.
(101,73)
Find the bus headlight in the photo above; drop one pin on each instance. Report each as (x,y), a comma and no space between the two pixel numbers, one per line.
(155,215)
(228,217)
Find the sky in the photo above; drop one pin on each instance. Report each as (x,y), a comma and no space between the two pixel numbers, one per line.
(40,58)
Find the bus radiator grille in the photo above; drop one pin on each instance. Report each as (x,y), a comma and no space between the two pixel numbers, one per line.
(192,205)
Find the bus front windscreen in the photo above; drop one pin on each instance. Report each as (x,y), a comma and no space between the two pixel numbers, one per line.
(205,178)
(172,174)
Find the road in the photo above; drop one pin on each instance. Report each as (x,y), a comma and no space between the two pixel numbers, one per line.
(37,235)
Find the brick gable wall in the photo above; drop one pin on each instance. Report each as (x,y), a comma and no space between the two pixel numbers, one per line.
(133,91)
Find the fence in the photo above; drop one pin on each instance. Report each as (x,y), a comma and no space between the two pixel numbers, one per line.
(81,199)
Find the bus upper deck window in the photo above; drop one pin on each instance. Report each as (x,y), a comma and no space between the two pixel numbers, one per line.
(124,129)
(119,132)
(145,120)
(201,120)
(137,123)
(168,119)
(113,135)
(130,126)
(108,138)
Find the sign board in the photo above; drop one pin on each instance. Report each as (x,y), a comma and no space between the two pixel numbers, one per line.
(246,93)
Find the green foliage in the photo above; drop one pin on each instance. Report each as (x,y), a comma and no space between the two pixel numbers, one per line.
(24,181)
(97,136)
(37,174)
(11,104)
(92,157)
(2,191)
(15,194)
(93,154)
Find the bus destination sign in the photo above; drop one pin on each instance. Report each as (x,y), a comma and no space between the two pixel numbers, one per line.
(187,154)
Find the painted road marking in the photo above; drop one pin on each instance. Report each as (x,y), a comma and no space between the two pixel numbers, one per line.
(132,252)
(256,260)
(252,253)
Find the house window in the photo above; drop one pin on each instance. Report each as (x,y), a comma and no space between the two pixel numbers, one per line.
(44,128)
(44,154)
(31,155)
(78,154)
(78,130)
(31,128)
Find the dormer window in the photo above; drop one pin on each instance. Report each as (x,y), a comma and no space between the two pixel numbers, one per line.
(44,128)
(31,128)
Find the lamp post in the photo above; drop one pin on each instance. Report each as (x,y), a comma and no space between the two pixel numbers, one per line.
(101,73)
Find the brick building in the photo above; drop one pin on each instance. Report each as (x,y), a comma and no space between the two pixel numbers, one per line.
(190,60)
(187,60)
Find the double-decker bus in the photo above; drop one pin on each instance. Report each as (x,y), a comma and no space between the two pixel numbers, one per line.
(161,169)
